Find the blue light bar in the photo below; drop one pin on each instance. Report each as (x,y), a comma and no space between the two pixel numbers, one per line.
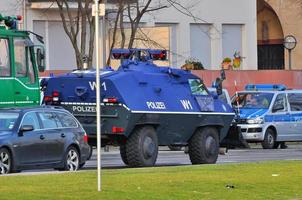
(265,87)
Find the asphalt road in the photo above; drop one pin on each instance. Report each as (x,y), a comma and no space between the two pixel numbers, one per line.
(112,160)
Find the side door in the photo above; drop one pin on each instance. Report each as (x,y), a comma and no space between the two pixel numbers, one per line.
(27,91)
(6,78)
(295,103)
(281,117)
(53,139)
(29,147)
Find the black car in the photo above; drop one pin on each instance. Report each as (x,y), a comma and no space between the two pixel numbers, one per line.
(41,137)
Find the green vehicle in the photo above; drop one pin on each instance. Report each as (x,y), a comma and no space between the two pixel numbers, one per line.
(20,62)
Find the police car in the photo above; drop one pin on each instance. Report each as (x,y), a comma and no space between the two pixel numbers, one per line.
(270,114)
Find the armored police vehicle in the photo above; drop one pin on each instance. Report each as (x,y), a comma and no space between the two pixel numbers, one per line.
(269,114)
(20,61)
(144,106)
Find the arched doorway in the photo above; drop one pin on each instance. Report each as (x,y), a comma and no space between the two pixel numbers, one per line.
(270,38)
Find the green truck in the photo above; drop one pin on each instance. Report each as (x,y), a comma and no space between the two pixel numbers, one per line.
(20,63)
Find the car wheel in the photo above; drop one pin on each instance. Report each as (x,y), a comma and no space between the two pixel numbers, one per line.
(204,146)
(269,139)
(142,147)
(124,154)
(90,152)
(82,165)
(72,159)
(5,161)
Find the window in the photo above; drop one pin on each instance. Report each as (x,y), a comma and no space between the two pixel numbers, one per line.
(31,119)
(7,121)
(231,39)
(49,120)
(253,100)
(5,69)
(67,121)
(20,57)
(31,70)
(197,87)
(295,101)
(280,104)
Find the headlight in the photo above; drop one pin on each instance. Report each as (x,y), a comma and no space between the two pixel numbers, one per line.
(257,120)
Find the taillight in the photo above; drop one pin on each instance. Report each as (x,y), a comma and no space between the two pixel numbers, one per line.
(117,129)
(55,95)
(110,100)
(85,138)
(47,99)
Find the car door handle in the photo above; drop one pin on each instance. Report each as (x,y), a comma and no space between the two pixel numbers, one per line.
(17,93)
(42,137)
(63,135)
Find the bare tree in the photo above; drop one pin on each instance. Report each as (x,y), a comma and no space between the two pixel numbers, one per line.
(77,23)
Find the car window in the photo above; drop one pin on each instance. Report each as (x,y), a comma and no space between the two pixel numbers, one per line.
(67,120)
(257,100)
(49,120)
(5,69)
(280,102)
(31,119)
(295,101)
(7,121)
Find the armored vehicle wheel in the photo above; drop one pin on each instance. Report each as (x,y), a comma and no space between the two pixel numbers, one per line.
(142,147)
(124,154)
(269,139)
(204,146)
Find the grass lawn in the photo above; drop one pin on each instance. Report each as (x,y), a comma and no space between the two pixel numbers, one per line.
(269,180)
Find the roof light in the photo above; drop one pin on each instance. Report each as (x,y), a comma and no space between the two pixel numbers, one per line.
(265,87)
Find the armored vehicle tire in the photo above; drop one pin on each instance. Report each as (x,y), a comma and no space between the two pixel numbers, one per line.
(204,146)
(5,161)
(269,139)
(124,154)
(175,148)
(142,147)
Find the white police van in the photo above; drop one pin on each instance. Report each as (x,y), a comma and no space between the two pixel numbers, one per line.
(269,114)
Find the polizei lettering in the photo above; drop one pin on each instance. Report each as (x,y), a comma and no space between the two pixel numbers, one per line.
(156,105)
(89,109)
(186,104)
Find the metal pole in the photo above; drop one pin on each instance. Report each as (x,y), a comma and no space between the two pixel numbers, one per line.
(290,59)
(98,94)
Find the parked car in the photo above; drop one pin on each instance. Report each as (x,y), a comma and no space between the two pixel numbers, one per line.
(41,137)
(269,114)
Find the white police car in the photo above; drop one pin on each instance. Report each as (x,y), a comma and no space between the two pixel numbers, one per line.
(269,114)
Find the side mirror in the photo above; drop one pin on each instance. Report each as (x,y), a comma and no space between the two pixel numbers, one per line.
(25,128)
(222,74)
(278,107)
(40,59)
(218,85)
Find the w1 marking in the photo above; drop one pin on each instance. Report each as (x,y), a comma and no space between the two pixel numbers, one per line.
(186,104)
(93,85)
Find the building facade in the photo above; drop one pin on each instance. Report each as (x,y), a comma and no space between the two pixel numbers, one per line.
(209,30)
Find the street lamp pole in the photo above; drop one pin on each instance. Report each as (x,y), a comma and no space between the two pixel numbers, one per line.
(98,94)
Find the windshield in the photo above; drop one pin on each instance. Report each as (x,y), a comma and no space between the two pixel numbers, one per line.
(8,120)
(253,100)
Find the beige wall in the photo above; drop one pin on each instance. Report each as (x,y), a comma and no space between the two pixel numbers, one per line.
(290,16)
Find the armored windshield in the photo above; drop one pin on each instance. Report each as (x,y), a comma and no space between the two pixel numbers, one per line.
(7,121)
(253,100)
(197,87)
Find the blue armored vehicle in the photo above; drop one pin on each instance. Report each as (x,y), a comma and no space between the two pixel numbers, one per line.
(145,106)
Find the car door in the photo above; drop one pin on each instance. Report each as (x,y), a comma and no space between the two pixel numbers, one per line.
(295,102)
(27,91)
(281,117)
(53,138)
(29,146)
